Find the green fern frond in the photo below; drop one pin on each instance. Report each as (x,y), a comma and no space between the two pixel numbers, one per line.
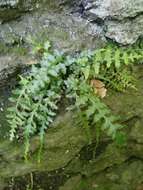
(36,99)
(94,110)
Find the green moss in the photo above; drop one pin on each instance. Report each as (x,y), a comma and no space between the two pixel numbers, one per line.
(20,50)
(3,48)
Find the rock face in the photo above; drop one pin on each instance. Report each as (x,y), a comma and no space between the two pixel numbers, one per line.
(119,20)
(49,22)
(65,31)
(126,31)
(10,3)
(10,9)
(123,20)
(114,9)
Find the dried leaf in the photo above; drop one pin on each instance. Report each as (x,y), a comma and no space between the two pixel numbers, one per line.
(31,62)
(99,88)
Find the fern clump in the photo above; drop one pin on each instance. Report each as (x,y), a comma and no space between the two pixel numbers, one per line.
(94,110)
(35,102)
(36,99)
(110,65)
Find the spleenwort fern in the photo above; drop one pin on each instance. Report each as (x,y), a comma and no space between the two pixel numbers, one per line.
(109,64)
(94,111)
(35,102)
(100,60)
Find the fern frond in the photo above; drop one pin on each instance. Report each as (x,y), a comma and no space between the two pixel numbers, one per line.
(95,111)
(36,99)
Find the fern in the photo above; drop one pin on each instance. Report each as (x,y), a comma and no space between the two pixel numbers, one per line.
(108,57)
(36,99)
(35,102)
(92,108)
(121,80)
(109,64)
